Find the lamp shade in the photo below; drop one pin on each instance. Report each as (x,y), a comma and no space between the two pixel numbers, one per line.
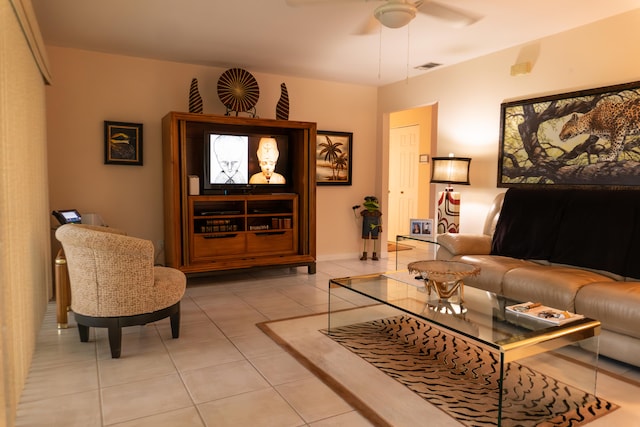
(450,170)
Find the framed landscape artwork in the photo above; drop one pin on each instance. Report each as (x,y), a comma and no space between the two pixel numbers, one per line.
(333,157)
(589,138)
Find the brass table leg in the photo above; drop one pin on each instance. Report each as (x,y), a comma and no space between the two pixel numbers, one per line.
(63,293)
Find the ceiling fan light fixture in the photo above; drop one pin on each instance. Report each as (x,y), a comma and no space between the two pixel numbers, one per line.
(395,15)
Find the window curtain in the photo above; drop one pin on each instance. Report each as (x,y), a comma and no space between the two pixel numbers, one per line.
(25,254)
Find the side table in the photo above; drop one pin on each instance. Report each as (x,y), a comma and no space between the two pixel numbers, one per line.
(63,290)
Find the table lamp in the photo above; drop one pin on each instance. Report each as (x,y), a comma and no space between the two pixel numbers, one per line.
(449,170)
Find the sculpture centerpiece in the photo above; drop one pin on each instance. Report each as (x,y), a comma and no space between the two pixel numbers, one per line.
(445,277)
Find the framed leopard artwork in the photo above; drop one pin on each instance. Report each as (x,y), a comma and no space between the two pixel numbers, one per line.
(587,138)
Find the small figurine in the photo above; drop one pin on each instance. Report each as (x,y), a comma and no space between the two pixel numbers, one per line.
(371,224)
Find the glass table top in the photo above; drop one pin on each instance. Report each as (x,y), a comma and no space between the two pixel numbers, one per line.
(481,316)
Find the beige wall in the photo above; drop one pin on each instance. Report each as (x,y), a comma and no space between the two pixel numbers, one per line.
(92,87)
(469,95)
(25,269)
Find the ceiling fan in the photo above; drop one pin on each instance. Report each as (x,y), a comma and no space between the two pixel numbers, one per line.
(398,13)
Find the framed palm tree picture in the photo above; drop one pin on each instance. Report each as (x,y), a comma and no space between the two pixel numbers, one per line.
(333,157)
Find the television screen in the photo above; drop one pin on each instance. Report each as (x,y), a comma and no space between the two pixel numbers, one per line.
(228,159)
(270,161)
(239,162)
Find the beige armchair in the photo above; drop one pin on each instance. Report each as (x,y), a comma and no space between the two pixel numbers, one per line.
(114,282)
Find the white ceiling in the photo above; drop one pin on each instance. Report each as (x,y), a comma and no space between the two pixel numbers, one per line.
(317,41)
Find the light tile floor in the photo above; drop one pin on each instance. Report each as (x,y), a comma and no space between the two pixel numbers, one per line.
(222,371)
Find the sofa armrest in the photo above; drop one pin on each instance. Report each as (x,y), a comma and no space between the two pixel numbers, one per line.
(452,245)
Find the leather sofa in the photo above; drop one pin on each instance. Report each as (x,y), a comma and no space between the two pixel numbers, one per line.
(576,250)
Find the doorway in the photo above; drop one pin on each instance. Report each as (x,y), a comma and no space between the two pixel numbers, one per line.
(404,152)
(412,142)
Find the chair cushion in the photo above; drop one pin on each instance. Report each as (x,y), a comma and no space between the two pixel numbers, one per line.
(169,285)
(113,275)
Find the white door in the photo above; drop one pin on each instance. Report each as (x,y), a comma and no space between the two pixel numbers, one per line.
(404,152)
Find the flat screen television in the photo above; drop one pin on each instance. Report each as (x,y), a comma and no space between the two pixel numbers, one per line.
(240,163)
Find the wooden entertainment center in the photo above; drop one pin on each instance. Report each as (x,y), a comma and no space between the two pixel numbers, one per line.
(252,226)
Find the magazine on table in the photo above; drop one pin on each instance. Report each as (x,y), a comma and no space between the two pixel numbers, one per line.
(544,313)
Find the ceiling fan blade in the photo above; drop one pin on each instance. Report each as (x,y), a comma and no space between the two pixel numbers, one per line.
(456,17)
(370,26)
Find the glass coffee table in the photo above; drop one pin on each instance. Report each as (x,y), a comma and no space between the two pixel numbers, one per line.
(481,320)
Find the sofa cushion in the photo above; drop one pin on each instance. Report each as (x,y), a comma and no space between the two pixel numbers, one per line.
(581,240)
(554,286)
(622,347)
(528,223)
(462,244)
(492,270)
(614,304)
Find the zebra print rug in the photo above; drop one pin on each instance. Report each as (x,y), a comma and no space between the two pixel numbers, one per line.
(461,378)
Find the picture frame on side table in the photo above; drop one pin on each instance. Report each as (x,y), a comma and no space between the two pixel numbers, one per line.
(578,139)
(122,143)
(334,157)
(421,228)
